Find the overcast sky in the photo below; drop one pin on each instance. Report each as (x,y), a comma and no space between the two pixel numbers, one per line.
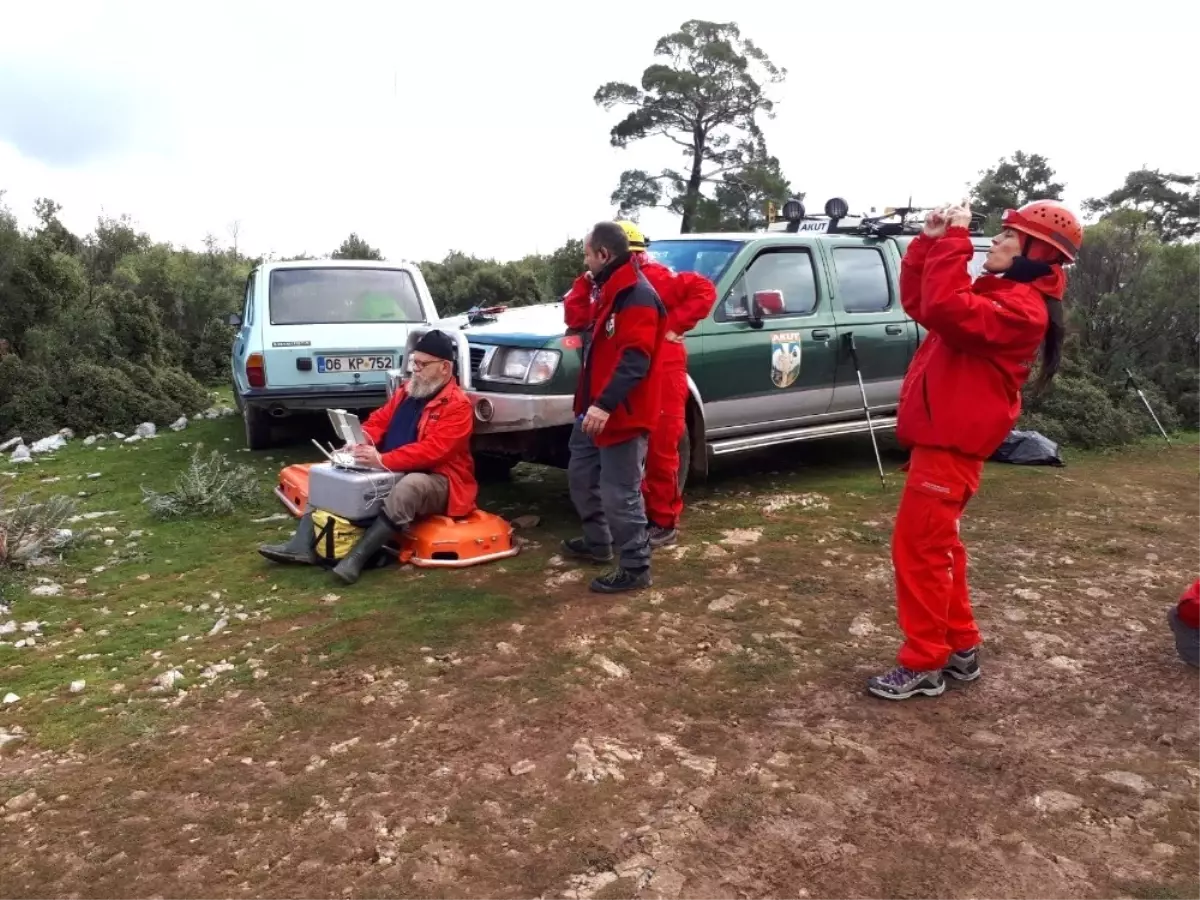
(424,127)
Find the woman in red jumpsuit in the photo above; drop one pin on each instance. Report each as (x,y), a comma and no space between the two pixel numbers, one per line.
(961,397)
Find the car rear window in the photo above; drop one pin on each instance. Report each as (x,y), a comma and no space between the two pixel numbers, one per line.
(343,296)
(707,258)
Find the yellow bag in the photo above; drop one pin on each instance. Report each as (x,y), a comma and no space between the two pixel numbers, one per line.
(336,537)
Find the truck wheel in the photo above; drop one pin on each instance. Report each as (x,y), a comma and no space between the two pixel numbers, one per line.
(685,458)
(494,468)
(259,431)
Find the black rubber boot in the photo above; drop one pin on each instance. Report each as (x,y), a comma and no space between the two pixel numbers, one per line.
(364,551)
(298,550)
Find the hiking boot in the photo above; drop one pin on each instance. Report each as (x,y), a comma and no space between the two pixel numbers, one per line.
(660,536)
(364,550)
(902,683)
(620,580)
(579,548)
(299,550)
(963,665)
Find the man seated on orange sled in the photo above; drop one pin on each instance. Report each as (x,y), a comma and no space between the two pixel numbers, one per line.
(424,431)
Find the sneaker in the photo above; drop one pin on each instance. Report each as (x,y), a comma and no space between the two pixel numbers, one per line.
(579,548)
(620,580)
(963,666)
(902,683)
(661,536)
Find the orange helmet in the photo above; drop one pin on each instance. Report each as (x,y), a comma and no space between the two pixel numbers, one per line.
(1049,221)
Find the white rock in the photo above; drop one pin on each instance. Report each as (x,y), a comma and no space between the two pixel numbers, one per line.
(118,436)
(524,767)
(179,424)
(67,434)
(226,411)
(219,626)
(89,440)
(1057,801)
(49,444)
(146,430)
(77,686)
(723,603)
(47,590)
(862,626)
(1130,780)
(133,439)
(92,476)
(741,536)
(616,670)
(10,698)
(31,627)
(168,679)
(10,444)
(21,454)
(8,627)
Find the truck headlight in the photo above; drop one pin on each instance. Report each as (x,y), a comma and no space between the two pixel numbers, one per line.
(521,366)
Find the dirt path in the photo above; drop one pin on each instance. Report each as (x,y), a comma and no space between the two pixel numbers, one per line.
(707,738)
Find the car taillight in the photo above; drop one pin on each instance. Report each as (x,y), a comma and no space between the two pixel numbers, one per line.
(256,370)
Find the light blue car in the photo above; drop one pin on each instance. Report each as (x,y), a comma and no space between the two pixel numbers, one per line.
(320,334)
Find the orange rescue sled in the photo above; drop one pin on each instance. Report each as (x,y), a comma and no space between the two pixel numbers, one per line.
(433,542)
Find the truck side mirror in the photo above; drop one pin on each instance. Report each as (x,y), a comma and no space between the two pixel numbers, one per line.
(235,319)
(765,303)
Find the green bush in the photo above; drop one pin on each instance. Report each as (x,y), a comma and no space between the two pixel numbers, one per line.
(1078,413)
(181,389)
(29,403)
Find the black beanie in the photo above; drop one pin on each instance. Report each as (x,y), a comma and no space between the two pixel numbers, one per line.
(439,344)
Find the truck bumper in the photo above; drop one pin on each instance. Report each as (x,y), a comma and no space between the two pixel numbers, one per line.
(318,397)
(504,413)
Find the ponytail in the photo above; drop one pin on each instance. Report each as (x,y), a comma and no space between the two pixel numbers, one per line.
(1052,344)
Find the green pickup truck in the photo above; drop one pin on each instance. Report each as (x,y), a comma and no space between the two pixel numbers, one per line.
(770,365)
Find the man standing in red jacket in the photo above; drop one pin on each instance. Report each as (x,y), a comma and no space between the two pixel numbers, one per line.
(961,396)
(688,298)
(1185,624)
(424,430)
(616,404)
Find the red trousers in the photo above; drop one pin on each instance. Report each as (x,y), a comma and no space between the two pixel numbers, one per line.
(660,487)
(932,601)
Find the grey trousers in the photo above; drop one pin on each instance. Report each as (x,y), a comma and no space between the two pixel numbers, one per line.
(606,488)
(1187,639)
(415,495)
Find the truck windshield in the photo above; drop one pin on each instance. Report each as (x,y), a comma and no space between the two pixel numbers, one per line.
(343,296)
(707,258)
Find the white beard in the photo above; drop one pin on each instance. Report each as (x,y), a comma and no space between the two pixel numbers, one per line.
(419,388)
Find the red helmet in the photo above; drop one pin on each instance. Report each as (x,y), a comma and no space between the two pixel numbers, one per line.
(1049,221)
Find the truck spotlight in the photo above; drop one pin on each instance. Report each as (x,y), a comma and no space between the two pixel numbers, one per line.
(484,410)
(836,208)
(793,210)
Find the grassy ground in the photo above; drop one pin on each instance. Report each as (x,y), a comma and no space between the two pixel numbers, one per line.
(500,731)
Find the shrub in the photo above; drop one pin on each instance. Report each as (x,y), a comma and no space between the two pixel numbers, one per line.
(212,487)
(28,528)
(29,401)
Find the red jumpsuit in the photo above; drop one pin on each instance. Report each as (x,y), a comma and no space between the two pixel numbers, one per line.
(688,298)
(961,397)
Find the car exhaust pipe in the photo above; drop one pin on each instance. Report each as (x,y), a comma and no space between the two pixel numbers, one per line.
(278,411)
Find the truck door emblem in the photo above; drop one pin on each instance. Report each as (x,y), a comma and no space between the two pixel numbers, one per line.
(785,358)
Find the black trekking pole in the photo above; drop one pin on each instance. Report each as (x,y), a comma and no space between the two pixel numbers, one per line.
(848,340)
(1131,382)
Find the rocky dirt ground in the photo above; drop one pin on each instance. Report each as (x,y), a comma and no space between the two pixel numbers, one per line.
(501,732)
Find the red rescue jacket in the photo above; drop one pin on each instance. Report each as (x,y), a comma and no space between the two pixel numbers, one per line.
(963,388)
(621,367)
(442,447)
(1189,606)
(688,297)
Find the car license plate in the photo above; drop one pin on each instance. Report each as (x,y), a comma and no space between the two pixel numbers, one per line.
(335,365)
